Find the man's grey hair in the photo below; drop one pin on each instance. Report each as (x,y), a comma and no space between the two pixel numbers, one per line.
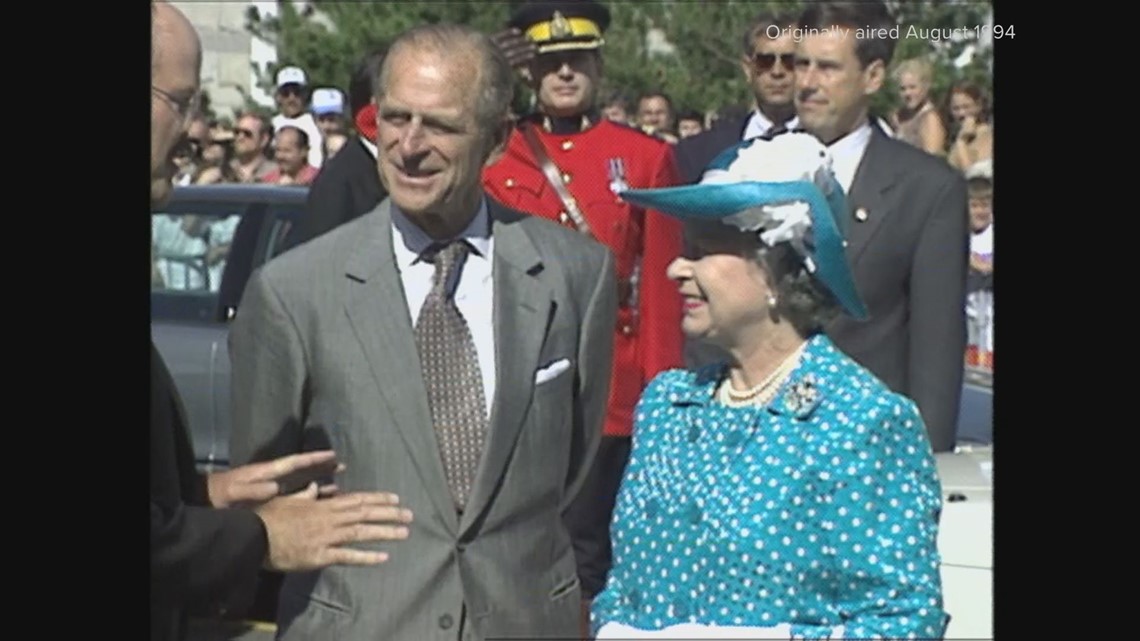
(495,79)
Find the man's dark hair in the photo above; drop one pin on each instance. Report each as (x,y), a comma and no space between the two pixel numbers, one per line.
(656,94)
(302,137)
(760,25)
(362,86)
(617,97)
(691,114)
(872,17)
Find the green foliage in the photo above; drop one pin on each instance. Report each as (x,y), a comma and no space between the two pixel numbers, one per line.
(703,72)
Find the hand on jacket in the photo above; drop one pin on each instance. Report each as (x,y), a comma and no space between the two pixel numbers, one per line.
(307,533)
(258,482)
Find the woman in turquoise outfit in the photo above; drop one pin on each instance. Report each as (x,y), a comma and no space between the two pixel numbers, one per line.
(786,492)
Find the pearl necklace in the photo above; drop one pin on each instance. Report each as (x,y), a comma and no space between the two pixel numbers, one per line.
(764,392)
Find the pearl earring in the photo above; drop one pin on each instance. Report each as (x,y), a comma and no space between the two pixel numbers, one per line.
(771,300)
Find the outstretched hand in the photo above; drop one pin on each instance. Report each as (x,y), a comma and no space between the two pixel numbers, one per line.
(306,533)
(256,483)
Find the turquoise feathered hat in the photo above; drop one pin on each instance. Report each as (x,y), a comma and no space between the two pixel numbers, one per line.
(779,187)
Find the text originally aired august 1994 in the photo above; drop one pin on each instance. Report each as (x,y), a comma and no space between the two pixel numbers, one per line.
(898,32)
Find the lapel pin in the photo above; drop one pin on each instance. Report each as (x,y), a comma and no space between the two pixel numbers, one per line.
(861,214)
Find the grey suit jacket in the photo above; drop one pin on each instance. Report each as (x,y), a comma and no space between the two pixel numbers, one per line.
(910,258)
(323,353)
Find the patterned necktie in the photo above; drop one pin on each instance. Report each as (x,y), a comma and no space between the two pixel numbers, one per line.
(451,374)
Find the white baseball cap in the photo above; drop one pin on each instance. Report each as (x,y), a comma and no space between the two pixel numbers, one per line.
(328,101)
(291,76)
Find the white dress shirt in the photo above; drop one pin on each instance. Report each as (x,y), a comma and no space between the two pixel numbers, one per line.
(370,146)
(759,124)
(847,153)
(474,291)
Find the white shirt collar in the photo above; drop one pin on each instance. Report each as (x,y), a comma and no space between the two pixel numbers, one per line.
(759,124)
(370,146)
(409,241)
(847,153)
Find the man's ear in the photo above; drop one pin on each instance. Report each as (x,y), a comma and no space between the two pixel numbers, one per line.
(874,75)
(746,67)
(499,138)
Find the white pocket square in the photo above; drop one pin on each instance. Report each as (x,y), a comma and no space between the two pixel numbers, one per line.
(550,371)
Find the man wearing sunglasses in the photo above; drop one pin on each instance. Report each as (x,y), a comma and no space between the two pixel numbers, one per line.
(251,141)
(567,163)
(292,98)
(767,61)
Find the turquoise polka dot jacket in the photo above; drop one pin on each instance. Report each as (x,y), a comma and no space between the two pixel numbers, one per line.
(818,510)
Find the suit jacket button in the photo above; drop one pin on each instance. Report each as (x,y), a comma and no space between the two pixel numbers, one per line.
(626,330)
(510,183)
(446,621)
(566,178)
(567,145)
(563,217)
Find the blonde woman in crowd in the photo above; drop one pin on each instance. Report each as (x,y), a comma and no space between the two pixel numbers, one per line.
(917,121)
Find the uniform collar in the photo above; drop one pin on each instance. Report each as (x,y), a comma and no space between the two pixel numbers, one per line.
(799,395)
(570,125)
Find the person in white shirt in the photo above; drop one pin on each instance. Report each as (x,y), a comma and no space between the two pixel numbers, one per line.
(292,95)
(980,282)
(906,222)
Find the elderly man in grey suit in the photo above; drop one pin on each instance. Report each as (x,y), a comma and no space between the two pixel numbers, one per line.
(907,234)
(452,351)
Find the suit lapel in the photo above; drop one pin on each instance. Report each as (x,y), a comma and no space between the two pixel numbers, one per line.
(380,320)
(867,202)
(521,313)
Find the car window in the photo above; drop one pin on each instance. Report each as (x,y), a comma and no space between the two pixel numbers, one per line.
(282,233)
(190,246)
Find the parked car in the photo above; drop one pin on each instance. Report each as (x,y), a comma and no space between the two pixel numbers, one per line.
(206,241)
(965,540)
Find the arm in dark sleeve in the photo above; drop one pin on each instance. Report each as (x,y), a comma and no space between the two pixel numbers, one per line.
(329,203)
(202,559)
(938,312)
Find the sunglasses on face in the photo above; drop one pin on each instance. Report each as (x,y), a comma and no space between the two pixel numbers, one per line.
(244,133)
(551,62)
(765,61)
(291,90)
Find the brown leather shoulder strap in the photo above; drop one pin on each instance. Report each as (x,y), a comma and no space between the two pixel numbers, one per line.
(554,177)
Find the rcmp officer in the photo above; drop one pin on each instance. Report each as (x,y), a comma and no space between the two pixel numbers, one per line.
(566,163)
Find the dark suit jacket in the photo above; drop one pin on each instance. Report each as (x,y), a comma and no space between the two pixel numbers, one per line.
(202,560)
(347,187)
(910,259)
(696,152)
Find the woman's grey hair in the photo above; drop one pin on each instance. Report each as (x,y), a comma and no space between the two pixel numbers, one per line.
(451,41)
(800,298)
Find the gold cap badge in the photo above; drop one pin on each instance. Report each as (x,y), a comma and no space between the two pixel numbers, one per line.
(560,26)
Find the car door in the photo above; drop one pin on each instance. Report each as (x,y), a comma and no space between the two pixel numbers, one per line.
(202,254)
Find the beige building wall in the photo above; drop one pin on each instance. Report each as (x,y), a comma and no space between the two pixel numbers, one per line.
(227,51)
